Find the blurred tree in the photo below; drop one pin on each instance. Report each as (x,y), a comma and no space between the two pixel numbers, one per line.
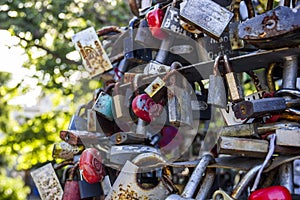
(44,29)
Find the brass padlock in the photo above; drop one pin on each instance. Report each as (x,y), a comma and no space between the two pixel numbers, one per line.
(235,88)
(243,146)
(216,90)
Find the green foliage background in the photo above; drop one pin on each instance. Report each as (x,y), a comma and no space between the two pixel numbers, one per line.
(44,29)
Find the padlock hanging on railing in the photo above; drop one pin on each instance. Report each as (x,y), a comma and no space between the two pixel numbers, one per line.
(216,91)
(155,18)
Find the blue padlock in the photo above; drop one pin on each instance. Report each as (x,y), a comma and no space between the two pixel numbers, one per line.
(103,104)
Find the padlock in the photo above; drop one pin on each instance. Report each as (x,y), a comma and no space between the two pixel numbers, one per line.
(242,146)
(259,107)
(88,190)
(216,90)
(235,88)
(155,18)
(80,137)
(156,89)
(210,17)
(71,188)
(121,104)
(272,192)
(273,29)
(77,121)
(134,53)
(179,101)
(235,41)
(64,150)
(171,22)
(103,104)
(94,57)
(288,137)
(90,164)
(47,182)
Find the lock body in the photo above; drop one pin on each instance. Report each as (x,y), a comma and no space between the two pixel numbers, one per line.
(155,19)
(273,192)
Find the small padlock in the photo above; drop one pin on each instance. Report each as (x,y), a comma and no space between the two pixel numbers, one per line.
(156,89)
(103,104)
(155,18)
(121,109)
(71,188)
(77,121)
(90,164)
(235,88)
(216,90)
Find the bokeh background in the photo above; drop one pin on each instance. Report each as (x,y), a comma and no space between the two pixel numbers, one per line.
(42,80)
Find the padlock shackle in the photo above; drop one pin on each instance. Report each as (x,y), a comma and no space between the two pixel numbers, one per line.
(73,171)
(216,65)
(109,88)
(82,106)
(226,64)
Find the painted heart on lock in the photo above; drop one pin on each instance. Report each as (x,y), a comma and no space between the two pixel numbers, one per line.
(90,164)
(145,108)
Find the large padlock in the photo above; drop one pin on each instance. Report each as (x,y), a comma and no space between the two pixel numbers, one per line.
(94,57)
(91,166)
(77,121)
(47,182)
(276,28)
(216,90)
(71,188)
(210,17)
(235,88)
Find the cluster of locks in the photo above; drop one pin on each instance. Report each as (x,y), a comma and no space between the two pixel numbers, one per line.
(172,120)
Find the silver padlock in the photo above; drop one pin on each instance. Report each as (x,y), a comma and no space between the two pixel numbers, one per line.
(216,90)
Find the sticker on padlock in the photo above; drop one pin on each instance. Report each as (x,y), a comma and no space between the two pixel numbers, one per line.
(94,57)
(47,182)
(155,68)
(210,16)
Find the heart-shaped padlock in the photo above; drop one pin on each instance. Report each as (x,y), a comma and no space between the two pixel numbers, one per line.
(145,107)
(91,165)
(155,18)
(273,192)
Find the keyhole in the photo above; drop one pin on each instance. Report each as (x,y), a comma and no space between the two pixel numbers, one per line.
(270,24)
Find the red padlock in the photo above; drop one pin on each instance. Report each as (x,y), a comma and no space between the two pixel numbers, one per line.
(145,107)
(155,18)
(271,193)
(90,164)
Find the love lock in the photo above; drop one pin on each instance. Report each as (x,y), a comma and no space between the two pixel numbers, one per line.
(129,184)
